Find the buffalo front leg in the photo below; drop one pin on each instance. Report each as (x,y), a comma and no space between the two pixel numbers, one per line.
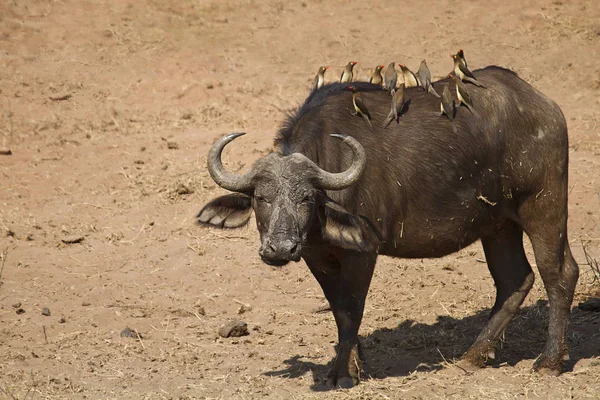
(345,281)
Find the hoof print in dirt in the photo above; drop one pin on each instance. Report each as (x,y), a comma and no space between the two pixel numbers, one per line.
(46,311)
(234,328)
(131,333)
(592,304)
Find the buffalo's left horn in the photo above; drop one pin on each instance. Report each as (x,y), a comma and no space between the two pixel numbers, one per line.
(341,180)
(227,180)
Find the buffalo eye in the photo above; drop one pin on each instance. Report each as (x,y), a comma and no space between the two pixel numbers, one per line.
(308,198)
(261,200)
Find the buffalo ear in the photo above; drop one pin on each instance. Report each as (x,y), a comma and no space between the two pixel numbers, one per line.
(229,211)
(346,230)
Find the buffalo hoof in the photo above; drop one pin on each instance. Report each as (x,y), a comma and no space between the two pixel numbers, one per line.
(475,359)
(345,382)
(467,366)
(547,371)
(546,366)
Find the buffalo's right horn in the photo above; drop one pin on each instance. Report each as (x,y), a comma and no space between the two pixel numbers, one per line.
(341,180)
(227,180)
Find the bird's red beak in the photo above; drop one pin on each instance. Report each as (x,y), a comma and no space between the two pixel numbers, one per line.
(327,67)
(354,62)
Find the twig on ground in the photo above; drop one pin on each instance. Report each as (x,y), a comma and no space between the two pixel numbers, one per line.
(3,256)
(593,263)
(7,393)
(61,97)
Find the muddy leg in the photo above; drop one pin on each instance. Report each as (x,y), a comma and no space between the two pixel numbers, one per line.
(560,272)
(556,266)
(345,282)
(513,277)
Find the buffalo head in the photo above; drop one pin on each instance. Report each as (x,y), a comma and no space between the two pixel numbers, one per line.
(287,194)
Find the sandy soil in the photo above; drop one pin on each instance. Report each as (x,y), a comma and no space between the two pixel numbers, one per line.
(110,107)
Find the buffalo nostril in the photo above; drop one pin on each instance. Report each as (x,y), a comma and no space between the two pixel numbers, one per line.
(294,248)
(272,248)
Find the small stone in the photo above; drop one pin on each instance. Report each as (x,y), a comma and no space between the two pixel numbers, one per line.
(127,332)
(20,311)
(210,86)
(17,305)
(244,308)
(172,145)
(85,304)
(182,189)
(201,311)
(62,320)
(46,311)
(234,328)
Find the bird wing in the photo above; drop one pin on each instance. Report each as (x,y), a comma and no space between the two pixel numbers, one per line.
(360,104)
(466,71)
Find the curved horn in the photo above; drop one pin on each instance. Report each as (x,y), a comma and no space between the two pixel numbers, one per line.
(227,180)
(341,180)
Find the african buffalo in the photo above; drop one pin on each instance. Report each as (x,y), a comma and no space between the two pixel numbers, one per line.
(337,193)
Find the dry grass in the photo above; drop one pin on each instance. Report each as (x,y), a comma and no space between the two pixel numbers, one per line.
(592,263)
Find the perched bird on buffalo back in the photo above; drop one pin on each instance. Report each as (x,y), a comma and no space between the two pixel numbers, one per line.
(376,78)
(320,78)
(461,70)
(348,73)
(360,107)
(410,79)
(424,76)
(391,78)
(447,106)
(462,94)
(397,106)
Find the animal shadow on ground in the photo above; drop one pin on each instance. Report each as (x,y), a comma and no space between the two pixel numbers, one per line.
(414,346)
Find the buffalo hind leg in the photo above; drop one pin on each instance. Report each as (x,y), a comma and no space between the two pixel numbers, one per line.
(546,225)
(345,282)
(560,272)
(513,277)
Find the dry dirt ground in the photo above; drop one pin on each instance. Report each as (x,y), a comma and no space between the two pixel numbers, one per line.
(110,107)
